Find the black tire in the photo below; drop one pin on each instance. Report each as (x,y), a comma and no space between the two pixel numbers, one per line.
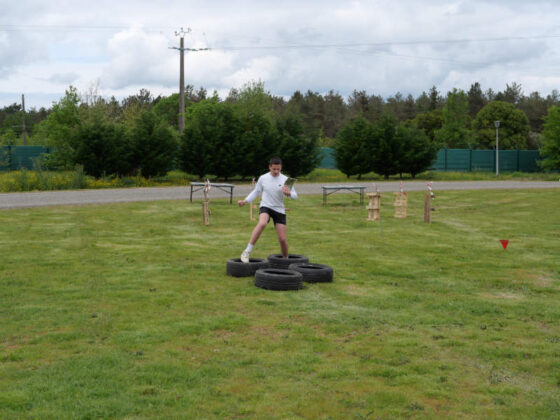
(236,268)
(314,273)
(278,279)
(278,260)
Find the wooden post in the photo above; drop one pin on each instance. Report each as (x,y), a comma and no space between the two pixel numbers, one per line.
(374,207)
(428,208)
(428,204)
(251,205)
(205,213)
(205,204)
(401,203)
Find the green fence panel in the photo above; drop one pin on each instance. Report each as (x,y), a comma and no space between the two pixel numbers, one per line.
(439,164)
(485,160)
(5,157)
(328,160)
(17,157)
(529,161)
(13,158)
(508,160)
(458,160)
(24,156)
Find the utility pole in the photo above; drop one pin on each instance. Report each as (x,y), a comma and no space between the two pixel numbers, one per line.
(182,50)
(23,131)
(497,125)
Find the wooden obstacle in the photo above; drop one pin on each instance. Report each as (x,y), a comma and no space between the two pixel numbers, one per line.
(428,204)
(401,204)
(205,205)
(374,207)
(251,205)
(428,208)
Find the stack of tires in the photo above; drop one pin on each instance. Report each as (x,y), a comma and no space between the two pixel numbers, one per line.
(279,273)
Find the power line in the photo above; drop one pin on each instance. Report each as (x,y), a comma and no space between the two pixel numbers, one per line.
(387,43)
(75,28)
(412,57)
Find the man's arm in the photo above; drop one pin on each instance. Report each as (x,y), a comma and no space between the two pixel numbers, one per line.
(290,192)
(252,195)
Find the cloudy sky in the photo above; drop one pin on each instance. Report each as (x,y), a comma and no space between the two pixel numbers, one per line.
(117,47)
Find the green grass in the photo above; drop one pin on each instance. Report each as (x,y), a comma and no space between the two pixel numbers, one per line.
(24,180)
(125,311)
(334,175)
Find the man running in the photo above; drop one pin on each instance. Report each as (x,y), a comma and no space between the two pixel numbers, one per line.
(273,190)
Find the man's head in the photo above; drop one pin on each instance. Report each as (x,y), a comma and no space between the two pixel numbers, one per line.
(275,166)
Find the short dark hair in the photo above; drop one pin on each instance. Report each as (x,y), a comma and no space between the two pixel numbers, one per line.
(275,161)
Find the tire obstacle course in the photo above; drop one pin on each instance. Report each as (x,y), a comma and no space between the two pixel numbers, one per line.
(279,273)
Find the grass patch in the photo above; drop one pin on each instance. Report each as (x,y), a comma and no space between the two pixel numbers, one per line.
(41,180)
(125,311)
(334,175)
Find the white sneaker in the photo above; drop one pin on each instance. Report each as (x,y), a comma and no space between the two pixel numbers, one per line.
(245,256)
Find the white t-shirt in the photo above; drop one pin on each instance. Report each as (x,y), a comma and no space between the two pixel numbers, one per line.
(271,189)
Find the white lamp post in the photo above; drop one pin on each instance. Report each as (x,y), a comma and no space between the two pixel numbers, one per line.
(497,125)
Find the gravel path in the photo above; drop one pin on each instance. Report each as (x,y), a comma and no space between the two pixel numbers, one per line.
(120,195)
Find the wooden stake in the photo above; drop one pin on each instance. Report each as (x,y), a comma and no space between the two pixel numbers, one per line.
(251,205)
(205,213)
(401,204)
(428,208)
(205,204)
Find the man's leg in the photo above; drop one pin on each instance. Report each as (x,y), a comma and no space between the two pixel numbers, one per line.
(261,224)
(281,232)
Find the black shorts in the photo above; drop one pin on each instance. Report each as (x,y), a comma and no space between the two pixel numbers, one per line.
(274,215)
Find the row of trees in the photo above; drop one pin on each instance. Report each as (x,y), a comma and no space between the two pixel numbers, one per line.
(386,148)
(238,135)
(322,115)
(219,139)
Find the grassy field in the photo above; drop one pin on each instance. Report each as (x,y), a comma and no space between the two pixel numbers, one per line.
(124,311)
(24,180)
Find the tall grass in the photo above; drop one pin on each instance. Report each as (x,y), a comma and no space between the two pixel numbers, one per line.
(125,311)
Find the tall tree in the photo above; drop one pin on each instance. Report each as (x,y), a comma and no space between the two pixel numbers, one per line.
(352,149)
(419,152)
(335,113)
(59,127)
(512,94)
(254,144)
(252,97)
(153,144)
(168,110)
(535,107)
(423,103)
(370,107)
(513,130)
(299,153)
(430,122)
(455,132)
(476,99)
(436,100)
(387,148)
(211,129)
(550,150)
(102,148)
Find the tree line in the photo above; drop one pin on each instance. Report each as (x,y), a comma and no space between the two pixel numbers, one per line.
(229,137)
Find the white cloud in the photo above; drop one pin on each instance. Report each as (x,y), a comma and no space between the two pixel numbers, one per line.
(125,45)
(138,58)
